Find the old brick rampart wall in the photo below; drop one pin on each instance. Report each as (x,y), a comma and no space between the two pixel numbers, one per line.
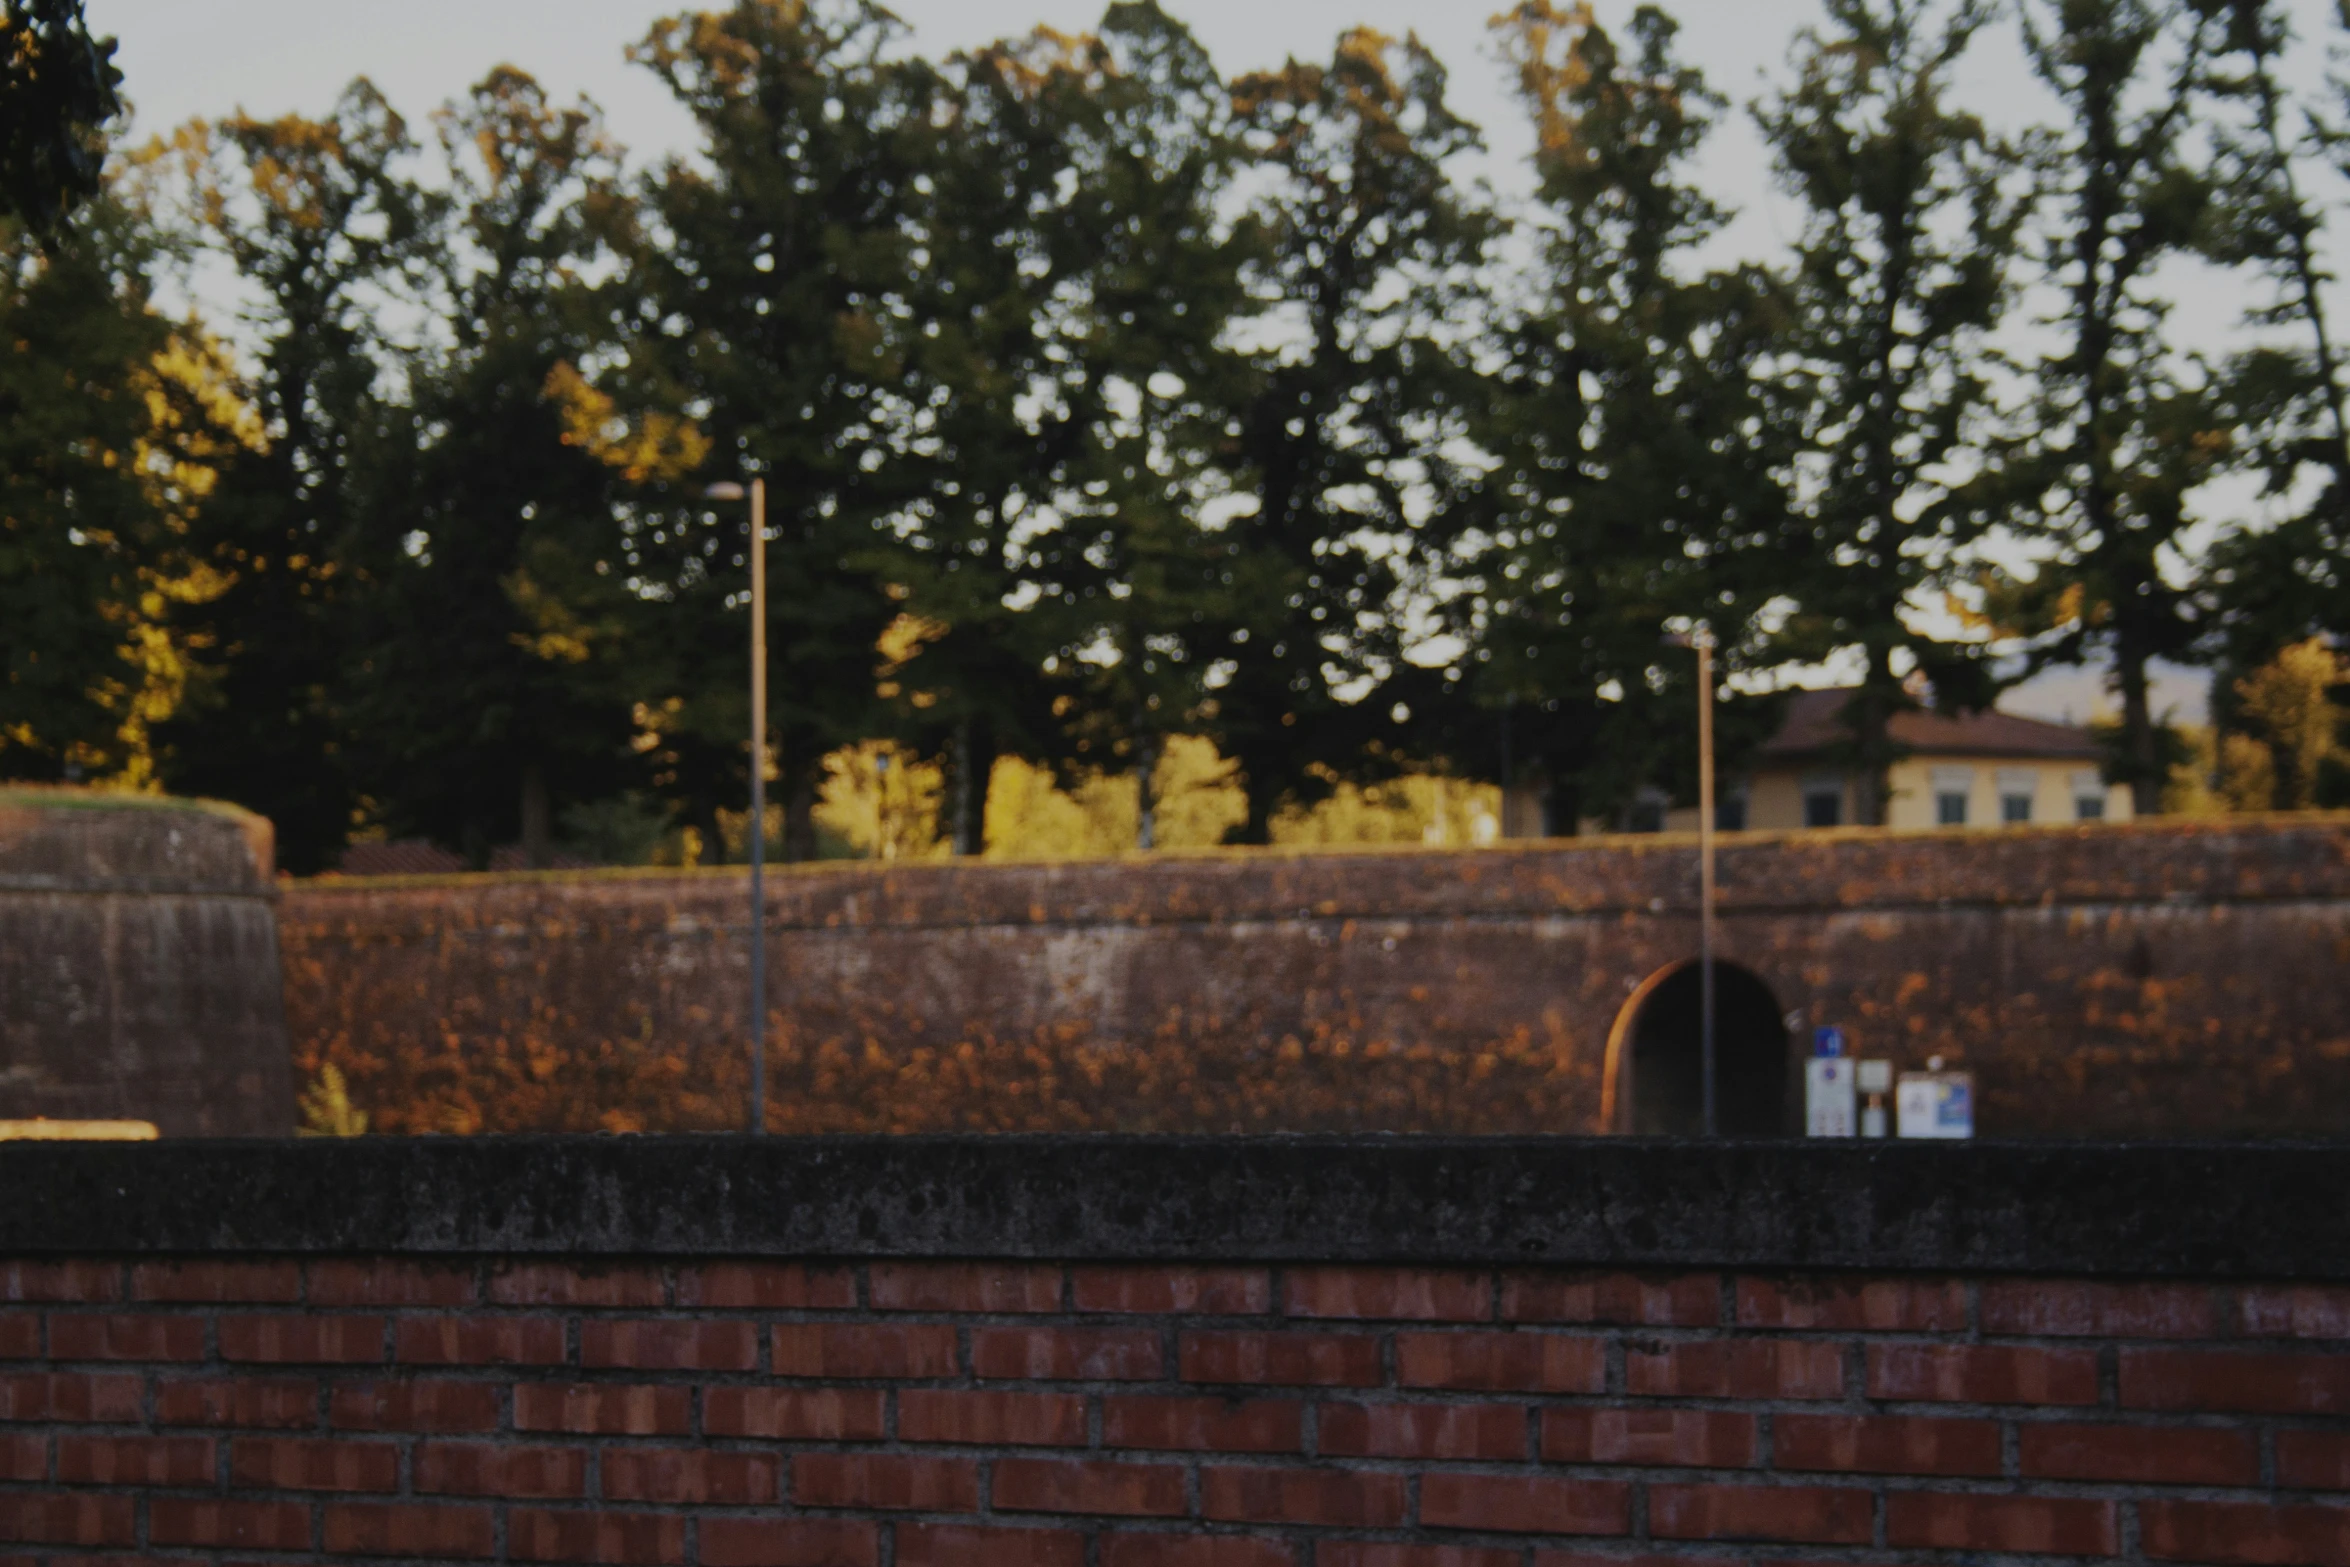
(683,1403)
(2165,979)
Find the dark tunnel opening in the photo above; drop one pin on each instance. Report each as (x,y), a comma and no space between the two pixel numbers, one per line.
(1666,1089)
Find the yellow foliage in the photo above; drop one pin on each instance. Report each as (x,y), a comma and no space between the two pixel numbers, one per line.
(557,634)
(2292,733)
(2191,789)
(2293,721)
(653,446)
(900,643)
(196,419)
(327,1110)
(1030,818)
(1416,808)
(903,638)
(897,811)
(2246,779)
(1545,42)
(884,801)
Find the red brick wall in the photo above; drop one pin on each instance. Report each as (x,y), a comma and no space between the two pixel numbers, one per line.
(2108,982)
(739,1414)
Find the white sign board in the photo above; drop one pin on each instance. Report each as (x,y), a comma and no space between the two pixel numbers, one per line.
(1828,1097)
(1935,1104)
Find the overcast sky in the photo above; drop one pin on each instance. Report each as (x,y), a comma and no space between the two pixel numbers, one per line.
(185,58)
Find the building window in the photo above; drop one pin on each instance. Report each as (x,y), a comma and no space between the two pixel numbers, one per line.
(2017,786)
(1823,807)
(2088,797)
(1953,787)
(1730,814)
(1645,816)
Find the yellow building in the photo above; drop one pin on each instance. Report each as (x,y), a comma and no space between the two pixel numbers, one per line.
(1963,770)
(1972,770)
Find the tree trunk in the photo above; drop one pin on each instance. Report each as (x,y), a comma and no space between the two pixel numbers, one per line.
(1562,808)
(799,818)
(710,846)
(1258,828)
(2138,740)
(475,844)
(538,838)
(1869,719)
(974,768)
(1146,791)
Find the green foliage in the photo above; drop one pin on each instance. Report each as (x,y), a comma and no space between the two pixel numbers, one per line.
(319,218)
(1634,486)
(2121,431)
(518,707)
(767,293)
(112,426)
(1345,448)
(57,91)
(1883,372)
(1111,412)
(2286,396)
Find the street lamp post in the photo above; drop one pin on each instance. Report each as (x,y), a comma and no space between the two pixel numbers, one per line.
(730,491)
(1703,642)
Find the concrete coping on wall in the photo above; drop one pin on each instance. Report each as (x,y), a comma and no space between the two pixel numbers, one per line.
(99,842)
(2142,1210)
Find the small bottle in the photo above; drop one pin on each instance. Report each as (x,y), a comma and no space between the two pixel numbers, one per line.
(1876,1081)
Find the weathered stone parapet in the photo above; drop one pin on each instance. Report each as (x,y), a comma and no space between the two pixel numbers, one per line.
(139,974)
(2143,1210)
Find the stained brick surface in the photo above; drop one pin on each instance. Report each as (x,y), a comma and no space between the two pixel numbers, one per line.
(235,1411)
(2151,979)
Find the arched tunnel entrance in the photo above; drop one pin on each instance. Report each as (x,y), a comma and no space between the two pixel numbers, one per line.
(1657,1076)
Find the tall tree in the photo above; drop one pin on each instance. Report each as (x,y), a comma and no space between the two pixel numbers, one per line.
(1346,446)
(1883,374)
(1134,569)
(113,422)
(319,218)
(1635,485)
(2277,585)
(515,702)
(2121,435)
(1002,394)
(57,93)
(767,297)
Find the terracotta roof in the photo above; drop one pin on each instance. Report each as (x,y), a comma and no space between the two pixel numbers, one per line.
(416,857)
(1812,728)
(412,857)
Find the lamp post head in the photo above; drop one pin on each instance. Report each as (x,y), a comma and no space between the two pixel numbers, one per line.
(723,490)
(1701,637)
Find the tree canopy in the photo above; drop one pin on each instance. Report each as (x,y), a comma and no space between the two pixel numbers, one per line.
(1115,414)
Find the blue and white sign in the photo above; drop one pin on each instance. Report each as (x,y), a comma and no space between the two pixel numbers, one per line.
(1935,1105)
(1828,1098)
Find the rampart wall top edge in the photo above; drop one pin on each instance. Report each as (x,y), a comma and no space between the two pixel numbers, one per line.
(2283,859)
(2146,1210)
